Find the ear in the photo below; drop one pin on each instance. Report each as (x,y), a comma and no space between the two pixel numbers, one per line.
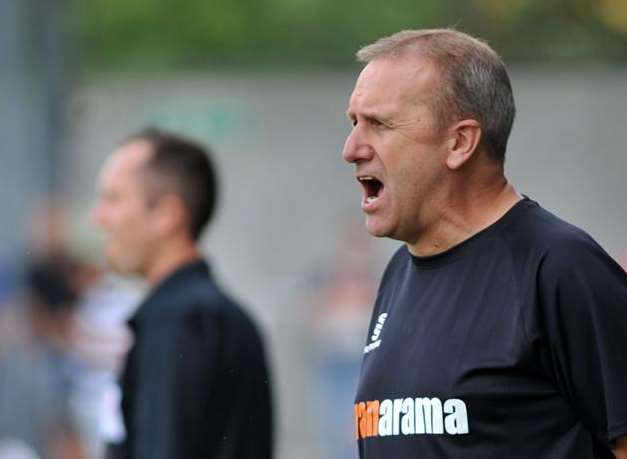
(170,214)
(465,138)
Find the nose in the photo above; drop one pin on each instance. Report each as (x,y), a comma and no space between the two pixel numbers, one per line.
(356,146)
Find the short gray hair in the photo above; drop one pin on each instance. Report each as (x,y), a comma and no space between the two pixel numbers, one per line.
(474,84)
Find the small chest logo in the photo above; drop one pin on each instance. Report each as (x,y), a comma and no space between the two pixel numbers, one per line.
(375,341)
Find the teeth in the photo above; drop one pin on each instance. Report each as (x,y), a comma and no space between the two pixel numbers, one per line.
(366,177)
(371,198)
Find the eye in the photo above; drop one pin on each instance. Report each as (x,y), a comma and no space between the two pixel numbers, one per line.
(376,123)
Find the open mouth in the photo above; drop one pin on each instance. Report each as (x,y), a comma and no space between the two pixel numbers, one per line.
(372,187)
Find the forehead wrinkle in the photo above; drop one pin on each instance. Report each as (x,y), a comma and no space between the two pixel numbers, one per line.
(392,87)
(395,114)
(370,107)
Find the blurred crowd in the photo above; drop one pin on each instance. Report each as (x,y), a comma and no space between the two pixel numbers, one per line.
(340,301)
(62,342)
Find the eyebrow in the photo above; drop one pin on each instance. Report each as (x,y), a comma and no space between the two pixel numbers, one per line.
(382,117)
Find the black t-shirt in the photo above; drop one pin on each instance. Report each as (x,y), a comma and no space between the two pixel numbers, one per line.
(512,344)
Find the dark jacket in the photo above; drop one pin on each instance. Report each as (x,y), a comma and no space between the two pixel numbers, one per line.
(196,382)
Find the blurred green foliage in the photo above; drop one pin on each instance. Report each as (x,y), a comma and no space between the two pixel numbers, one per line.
(161,34)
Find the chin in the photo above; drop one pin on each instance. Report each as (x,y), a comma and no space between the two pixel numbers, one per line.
(376,229)
(120,266)
(117,268)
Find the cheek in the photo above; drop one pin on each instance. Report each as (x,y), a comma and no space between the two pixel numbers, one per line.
(120,222)
(412,185)
(403,170)
(127,222)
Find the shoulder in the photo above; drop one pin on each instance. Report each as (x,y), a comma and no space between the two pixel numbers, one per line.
(551,259)
(567,248)
(537,236)
(561,259)
(202,305)
(200,296)
(564,278)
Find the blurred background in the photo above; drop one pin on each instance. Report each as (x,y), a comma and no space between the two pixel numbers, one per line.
(265,84)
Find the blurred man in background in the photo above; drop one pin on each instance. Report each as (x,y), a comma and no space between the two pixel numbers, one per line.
(499,330)
(196,381)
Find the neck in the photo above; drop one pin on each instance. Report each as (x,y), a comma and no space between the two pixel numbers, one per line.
(171,257)
(465,210)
